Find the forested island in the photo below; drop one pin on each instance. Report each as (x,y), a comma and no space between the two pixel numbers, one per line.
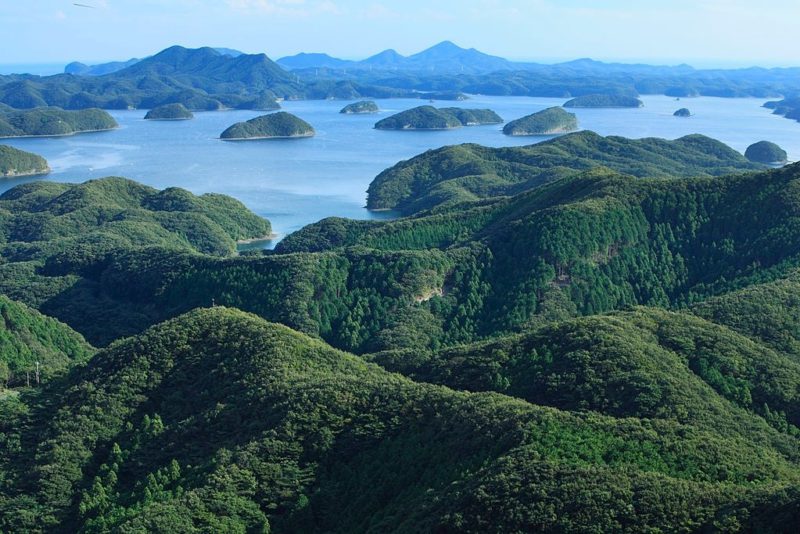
(604,101)
(683,112)
(280,125)
(169,112)
(766,152)
(549,121)
(360,108)
(15,162)
(431,118)
(47,122)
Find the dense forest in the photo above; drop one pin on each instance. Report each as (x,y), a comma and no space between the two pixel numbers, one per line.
(607,339)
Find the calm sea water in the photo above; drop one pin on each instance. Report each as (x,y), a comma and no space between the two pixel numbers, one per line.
(299,181)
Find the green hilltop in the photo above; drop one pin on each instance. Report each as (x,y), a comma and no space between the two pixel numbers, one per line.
(766,152)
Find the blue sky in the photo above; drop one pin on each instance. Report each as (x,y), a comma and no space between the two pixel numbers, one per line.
(699,32)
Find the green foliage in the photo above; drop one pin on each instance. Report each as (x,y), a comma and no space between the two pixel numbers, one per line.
(470,172)
(604,101)
(15,162)
(27,338)
(54,121)
(219,421)
(169,112)
(279,125)
(548,121)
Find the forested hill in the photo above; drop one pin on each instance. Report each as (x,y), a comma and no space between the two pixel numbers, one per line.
(218,420)
(30,341)
(470,172)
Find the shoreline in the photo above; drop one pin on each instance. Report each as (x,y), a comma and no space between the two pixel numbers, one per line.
(266,137)
(252,240)
(58,135)
(170,119)
(26,174)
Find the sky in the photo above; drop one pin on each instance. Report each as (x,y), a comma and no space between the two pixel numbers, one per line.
(703,33)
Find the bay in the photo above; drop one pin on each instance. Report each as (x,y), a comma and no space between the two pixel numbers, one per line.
(294,182)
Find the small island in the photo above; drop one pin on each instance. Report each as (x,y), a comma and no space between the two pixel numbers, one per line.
(604,101)
(169,112)
(50,122)
(767,153)
(550,121)
(683,112)
(360,108)
(430,118)
(15,162)
(280,125)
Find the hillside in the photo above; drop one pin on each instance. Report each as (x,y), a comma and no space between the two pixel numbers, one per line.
(54,122)
(280,125)
(30,340)
(546,122)
(15,162)
(54,237)
(376,452)
(470,172)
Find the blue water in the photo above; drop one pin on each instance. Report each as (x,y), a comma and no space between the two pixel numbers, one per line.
(298,181)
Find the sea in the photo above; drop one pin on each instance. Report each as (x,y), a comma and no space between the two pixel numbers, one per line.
(294,182)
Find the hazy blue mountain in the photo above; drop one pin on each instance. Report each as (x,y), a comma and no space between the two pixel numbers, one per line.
(305,60)
(387,58)
(81,69)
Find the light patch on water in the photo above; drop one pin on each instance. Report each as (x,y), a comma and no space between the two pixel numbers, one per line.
(85,159)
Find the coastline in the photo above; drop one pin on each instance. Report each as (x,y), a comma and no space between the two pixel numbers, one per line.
(251,240)
(58,135)
(267,137)
(44,172)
